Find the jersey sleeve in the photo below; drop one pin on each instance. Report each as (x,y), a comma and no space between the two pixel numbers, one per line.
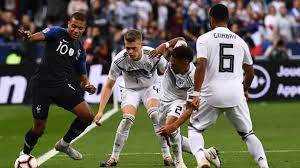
(51,33)
(114,71)
(161,66)
(247,59)
(201,47)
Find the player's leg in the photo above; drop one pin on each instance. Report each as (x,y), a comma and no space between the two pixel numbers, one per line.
(176,141)
(185,144)
(40,107)
(240,118)
(204,118)
(130,102)
(150,99)
(71,100)
(33,135)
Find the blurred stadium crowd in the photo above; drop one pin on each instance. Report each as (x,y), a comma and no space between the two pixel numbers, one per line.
(271,28)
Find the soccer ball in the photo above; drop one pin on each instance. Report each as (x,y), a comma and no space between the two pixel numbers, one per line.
(26,161)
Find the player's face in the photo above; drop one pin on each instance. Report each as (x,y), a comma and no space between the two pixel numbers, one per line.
(134,49)
(76,28)
(179,66)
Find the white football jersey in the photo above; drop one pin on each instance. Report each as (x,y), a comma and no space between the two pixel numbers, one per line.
(226,53)
(137,74)
(175,86)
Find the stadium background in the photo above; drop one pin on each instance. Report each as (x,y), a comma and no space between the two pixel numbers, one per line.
(271,29)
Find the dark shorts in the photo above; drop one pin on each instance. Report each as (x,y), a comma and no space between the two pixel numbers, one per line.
(65,96)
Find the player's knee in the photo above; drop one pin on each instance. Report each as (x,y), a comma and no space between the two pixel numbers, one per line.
(153,113)
(87,118)
(127,121)
(173,136)
(245,135)
(39,129)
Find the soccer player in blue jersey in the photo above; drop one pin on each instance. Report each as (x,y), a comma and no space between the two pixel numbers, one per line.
(63,60)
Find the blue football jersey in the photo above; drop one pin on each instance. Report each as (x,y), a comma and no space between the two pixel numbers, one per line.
(63,57)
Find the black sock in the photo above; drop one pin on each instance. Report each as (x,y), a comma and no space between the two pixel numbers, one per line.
(30,141)
(76,128)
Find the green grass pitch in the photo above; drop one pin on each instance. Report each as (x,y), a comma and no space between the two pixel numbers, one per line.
(275,123)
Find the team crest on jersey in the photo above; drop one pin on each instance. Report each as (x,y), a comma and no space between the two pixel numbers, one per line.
(71,52)
(148,66)
(180,83)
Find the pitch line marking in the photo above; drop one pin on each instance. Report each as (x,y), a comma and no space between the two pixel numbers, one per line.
(48,155)
(157,153)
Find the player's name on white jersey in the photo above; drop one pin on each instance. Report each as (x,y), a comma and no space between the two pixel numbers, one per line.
(224,35)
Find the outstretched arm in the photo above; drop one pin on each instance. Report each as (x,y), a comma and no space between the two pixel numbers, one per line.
(161,49)
(28,36)
(106,92)
(167,130)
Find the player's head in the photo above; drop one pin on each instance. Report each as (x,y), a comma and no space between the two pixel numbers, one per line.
(180,59)
(76,25)
(218,16)
(133,43)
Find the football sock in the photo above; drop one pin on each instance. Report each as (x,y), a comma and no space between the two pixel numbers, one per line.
(153,115)
(175,141)
(197,144)
(76,128)
(256,150)
(64,143)
(185,144)
(122,134)
(30,141)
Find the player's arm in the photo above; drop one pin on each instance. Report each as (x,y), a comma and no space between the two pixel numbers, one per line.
(85,84)
(198,80)
(105,95)
(200,70)
(248,69)
(161,49)
(170,128)
(28,36)
(249,75)
(113,74)
(81,70)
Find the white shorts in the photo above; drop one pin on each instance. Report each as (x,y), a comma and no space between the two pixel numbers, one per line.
(133,97)
(207,116)
(174,108)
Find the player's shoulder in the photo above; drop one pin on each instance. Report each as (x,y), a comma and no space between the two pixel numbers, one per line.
(204,37)
(147,50)
(120,57)
(192,70)
(243,43)
(54,29)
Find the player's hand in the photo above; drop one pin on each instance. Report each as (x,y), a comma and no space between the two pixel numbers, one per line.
(158,52)
(25,34)
(90,88)
(97,118)
(166,130)
(195,102)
